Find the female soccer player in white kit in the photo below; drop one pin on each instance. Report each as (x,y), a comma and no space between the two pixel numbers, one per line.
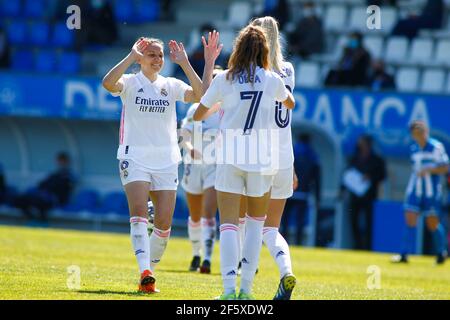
(148,152)
(198,183)
(285,179)
(246,92)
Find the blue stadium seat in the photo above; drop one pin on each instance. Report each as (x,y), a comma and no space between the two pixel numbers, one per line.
(147,11)
(10,9)
(69,62)
(17,32)
(40,33)
(34,9)
(45,61)
(124,11)
(114,202)
(84,200)
(22,60)
(63,37)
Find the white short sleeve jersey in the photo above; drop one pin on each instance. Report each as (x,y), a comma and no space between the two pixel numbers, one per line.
(247,121)
(148,126)
(283,119)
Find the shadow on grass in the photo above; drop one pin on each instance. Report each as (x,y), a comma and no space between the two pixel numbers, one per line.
(127,293)
(187,271)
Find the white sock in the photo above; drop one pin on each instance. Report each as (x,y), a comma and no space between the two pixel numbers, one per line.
(208,237)
(229,256)
(251,251)
(279,250)
(195,234)
(139,240)
(158,244)
(241,236)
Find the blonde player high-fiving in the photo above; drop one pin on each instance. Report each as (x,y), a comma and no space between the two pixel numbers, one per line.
(246,92)
(148,151)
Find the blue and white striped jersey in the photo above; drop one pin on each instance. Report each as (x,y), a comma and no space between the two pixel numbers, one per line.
(432,155)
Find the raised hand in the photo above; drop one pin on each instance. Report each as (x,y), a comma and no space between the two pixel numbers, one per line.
(138,48)
(177,53)
(212,48)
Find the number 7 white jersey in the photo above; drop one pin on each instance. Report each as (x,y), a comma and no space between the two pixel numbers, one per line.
(248,118)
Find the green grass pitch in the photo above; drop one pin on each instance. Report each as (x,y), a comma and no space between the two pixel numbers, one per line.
(34,262)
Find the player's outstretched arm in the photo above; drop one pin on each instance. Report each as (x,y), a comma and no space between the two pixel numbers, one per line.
(200,113)
(178,55)
(212,50)
(290,101)
(111,80)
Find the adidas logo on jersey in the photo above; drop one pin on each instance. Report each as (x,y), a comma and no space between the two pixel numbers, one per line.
(280,253)
(141,90)
(231,273)
(244,261)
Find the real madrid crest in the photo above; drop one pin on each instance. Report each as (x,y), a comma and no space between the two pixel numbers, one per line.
(164,92)
(124,165)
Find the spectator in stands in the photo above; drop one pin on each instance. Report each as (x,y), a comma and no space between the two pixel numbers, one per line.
(279,9)
(379,79)
(352,69)
(373,170)
(432,17)
(308,35)
(102,28)
(307,168)
(2,185)
(53,191)
(4,50)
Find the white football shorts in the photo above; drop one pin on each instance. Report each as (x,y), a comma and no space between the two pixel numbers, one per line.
(282,184)
(198,177)
(234,180)
(166,179)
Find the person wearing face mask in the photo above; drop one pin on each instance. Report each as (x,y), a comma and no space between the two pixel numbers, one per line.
(352,69)
(308,36)
(379,78)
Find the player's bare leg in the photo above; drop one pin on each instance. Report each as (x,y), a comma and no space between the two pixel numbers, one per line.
(195,204)
(209,226)
(137,196)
